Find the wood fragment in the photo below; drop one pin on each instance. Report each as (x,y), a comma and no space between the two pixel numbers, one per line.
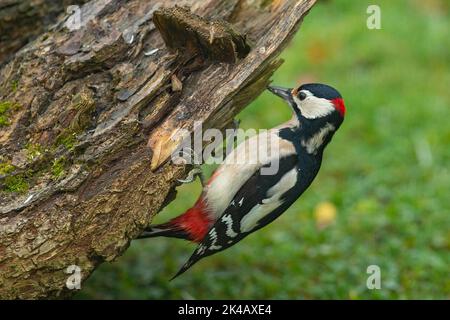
(177,85)
(216,40)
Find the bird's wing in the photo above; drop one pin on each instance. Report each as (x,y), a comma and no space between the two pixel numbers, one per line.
(260,200)
(240,165)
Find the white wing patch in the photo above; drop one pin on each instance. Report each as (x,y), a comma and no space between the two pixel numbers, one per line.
(229,222)
(230,177)
(251,219)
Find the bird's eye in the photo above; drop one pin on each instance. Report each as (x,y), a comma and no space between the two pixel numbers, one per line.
(302,95)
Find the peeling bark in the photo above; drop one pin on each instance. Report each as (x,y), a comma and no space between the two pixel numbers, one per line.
(90,115)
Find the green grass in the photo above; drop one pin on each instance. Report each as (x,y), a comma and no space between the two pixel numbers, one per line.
(386,171)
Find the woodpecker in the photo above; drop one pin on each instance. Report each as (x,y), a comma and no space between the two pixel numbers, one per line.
(239,199)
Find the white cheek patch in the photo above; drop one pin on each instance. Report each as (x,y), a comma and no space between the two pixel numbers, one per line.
(312,107)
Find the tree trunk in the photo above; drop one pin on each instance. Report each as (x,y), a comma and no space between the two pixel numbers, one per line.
(22,20)
(91,111)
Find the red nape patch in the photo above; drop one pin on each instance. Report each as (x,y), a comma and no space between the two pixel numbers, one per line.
(339,105)
(195,221)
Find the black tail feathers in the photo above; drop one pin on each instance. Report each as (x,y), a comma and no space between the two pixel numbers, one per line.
(164,230)
(171,231)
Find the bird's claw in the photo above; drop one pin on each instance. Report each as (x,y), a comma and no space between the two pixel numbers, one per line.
(195,172)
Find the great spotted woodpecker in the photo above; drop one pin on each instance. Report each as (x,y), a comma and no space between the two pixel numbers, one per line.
(239,199)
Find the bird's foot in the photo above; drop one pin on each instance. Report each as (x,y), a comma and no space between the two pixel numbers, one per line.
(195,172)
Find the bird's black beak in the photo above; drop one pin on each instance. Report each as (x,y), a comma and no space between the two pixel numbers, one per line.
(283,93)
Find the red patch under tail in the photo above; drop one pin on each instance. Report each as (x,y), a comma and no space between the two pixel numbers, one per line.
(194,221)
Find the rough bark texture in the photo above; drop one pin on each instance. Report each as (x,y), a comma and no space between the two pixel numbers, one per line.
(21,20)
(89,117)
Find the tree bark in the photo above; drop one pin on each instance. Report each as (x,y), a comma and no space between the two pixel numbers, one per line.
(22,20)
(91,112)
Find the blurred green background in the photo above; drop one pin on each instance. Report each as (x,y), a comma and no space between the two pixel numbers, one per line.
(381,197)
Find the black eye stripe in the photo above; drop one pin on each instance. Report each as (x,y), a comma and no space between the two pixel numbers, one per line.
(302,96)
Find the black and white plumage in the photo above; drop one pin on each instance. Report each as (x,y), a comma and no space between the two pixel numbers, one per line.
(241,198)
